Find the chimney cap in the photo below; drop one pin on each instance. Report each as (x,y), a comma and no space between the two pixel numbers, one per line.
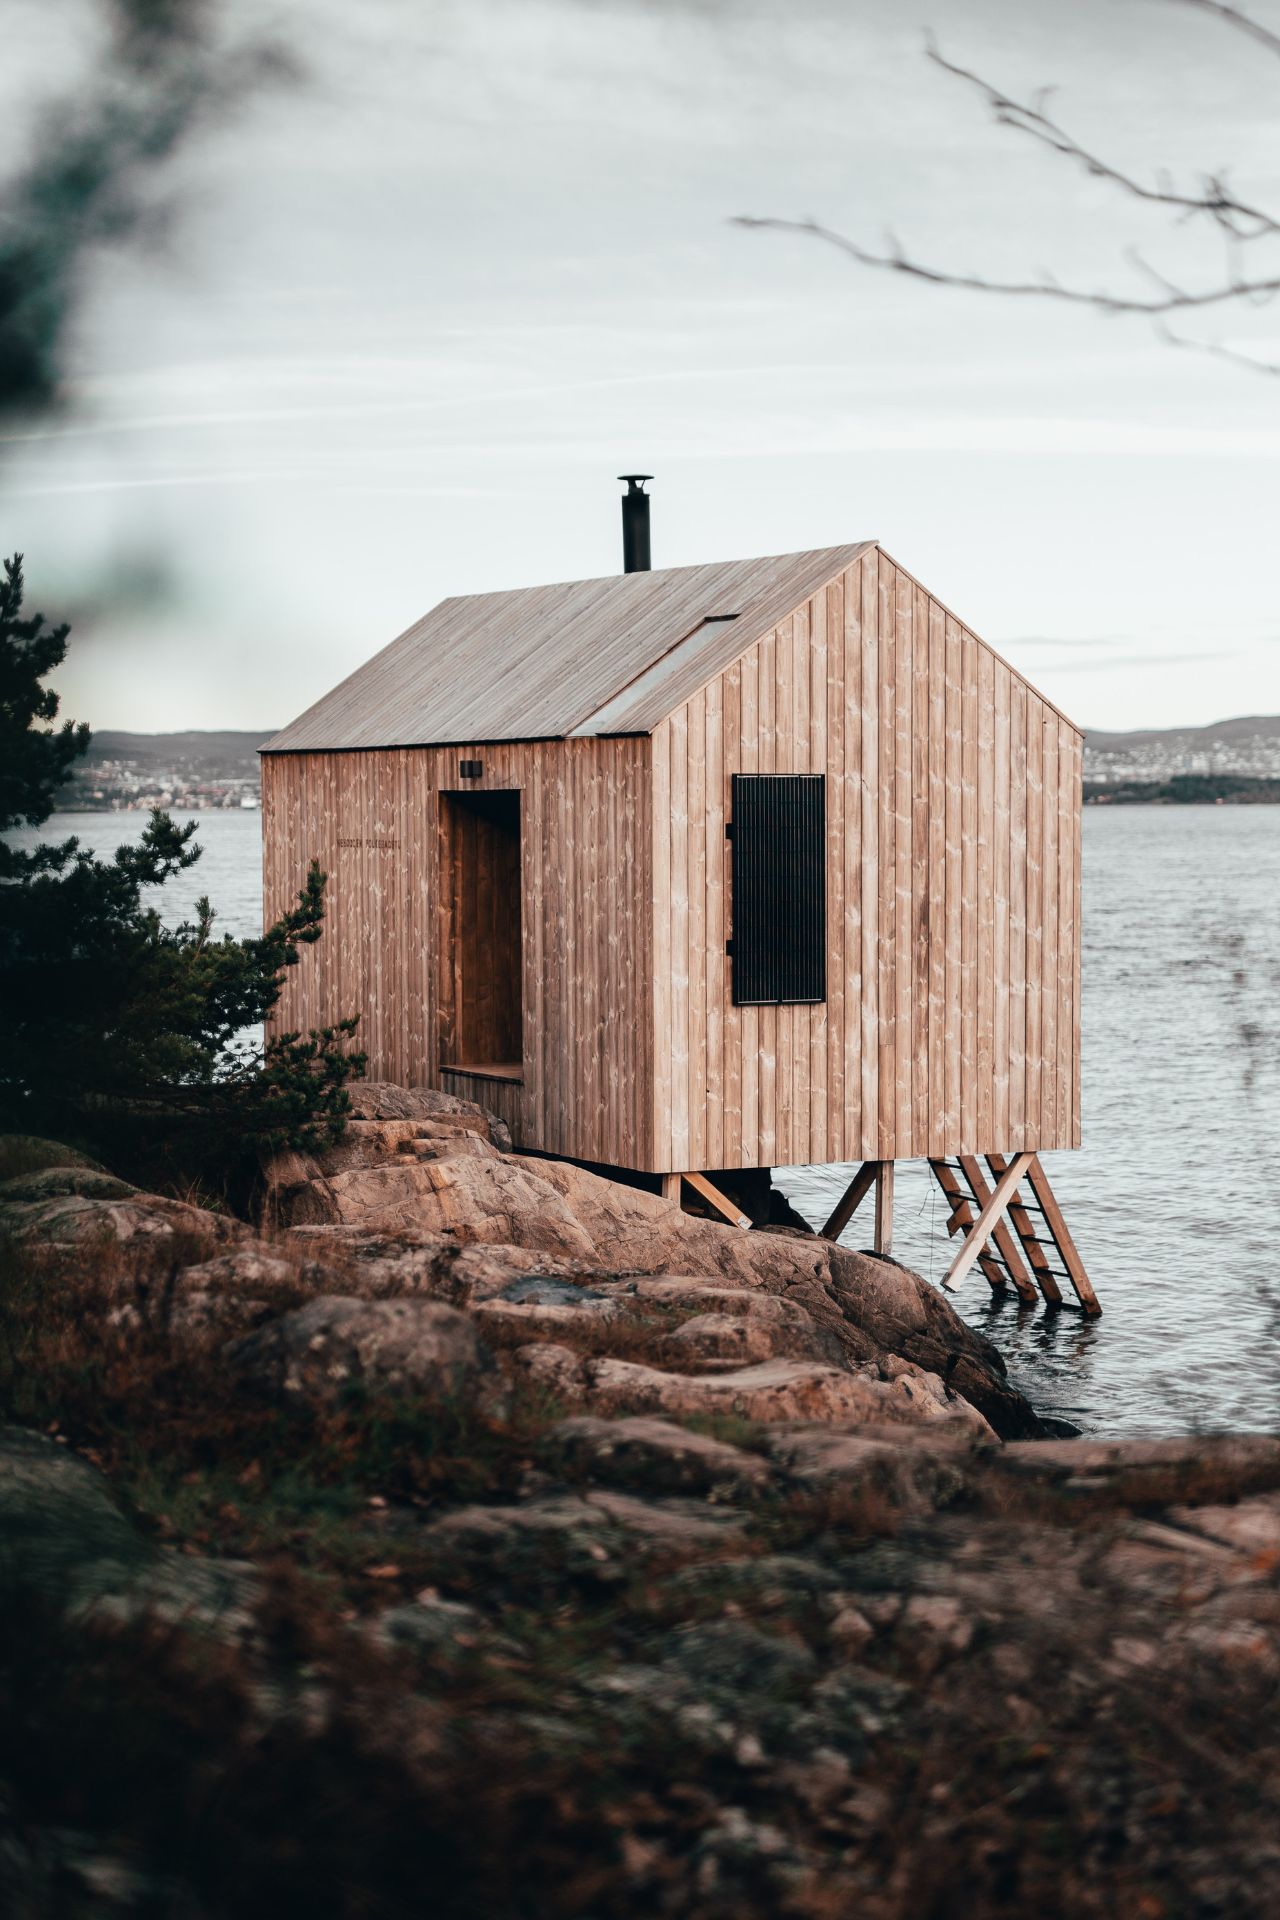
(635,480)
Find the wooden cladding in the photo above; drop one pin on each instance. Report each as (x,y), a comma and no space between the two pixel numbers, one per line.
(373,820)
(778,844)
(951,1022)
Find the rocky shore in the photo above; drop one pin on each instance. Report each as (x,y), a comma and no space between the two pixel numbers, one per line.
(474,1535)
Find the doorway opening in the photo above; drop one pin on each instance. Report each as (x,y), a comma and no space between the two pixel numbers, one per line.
(481,1008)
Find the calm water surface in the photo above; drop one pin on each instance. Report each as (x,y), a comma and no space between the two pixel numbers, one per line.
(1174,1199)
(229,869)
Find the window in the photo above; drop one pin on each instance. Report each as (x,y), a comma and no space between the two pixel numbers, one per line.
(779,946)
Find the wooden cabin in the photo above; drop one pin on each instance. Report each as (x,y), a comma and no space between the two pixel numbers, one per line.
(761,863)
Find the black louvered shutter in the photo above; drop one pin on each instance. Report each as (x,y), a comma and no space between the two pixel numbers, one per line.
(779,888)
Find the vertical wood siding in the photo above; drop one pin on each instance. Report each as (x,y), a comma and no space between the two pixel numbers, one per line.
(951,1022)
(372,819)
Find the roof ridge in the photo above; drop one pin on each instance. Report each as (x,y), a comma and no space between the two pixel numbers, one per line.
(652,573)
(575,656)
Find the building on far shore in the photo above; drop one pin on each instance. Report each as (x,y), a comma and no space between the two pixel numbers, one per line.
(760,863)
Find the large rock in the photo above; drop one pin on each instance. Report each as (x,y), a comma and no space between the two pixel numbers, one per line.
(384,1265)
(733,1660)
(385,1121)
(56,1183)
(537,1303)
(917,1468)
(398,1174)
(379,1100)
(53,1195)
(657,1455)
(869,1305)
(600,1534)
(417,1348)
(61,1527)
(238,1290)
(463,1198)
(557,1373)
(372,1143)
(443,1630)
(66,1541)
(726,1337)
(1142,1470)
(792,1390)
(29,1152)
(723,1341)
(70,1217)
(642,1233)
(1251,1527)
(709,1296)
(903,1314)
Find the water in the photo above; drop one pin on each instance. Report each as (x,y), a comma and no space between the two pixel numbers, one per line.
(1174,1199)
(229,869)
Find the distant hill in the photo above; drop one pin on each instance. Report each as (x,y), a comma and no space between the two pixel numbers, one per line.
(193,769)
(1248,728)
(1244,749)
(212,755)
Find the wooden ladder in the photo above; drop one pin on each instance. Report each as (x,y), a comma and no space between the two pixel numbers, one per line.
(1012,1227)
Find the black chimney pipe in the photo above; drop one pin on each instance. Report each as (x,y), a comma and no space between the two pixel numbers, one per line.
(635,524)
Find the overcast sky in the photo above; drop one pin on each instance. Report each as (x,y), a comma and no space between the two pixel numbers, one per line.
(416,313)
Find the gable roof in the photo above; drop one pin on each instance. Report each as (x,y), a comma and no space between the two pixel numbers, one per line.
(547,663)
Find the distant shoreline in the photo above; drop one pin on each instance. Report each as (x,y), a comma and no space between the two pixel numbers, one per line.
(171,806)
(1185,790)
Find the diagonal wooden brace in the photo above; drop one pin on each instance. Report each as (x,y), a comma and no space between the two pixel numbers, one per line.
(980,1232)
(711,1194)
(962,1216)
(1004,1241)
(850,1200)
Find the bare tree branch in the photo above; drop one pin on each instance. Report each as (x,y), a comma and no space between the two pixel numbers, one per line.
(1238,222)
(1212,198)
(1175,299)
(1234,17)
(1215,350)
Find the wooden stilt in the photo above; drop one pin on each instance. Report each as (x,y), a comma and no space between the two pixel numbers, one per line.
(734,1215)
(883,1241)
(980,1232)
(671,1187)
(1062,1238)
(1020,1221)
(850,1200)
(1000,1233)
(964,1211)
